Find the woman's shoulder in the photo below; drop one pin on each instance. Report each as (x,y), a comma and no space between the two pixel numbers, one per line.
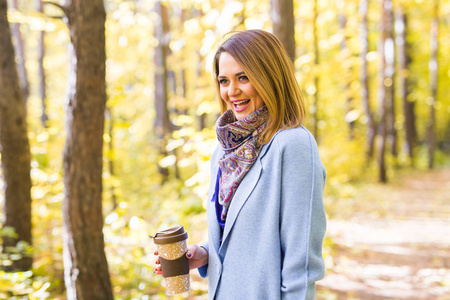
(292,141)
(297,133)
(298,138)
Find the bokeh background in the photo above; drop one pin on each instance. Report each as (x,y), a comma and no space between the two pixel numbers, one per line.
(380,242)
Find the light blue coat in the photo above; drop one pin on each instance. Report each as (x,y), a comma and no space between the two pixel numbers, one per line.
(272,241)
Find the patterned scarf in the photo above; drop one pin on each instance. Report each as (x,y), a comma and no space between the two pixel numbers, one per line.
(239,141)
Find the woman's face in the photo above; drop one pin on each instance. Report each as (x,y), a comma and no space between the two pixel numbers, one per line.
(236,89)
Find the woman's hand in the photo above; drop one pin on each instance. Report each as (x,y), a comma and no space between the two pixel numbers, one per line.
(198,257)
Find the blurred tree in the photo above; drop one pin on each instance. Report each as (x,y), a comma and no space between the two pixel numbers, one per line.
(434,45)
(404,60)
(15,149)
(316,73)
(364,41)
(85,267)
(162,121)
(282,15)
(173,84)
(202,117)
(20,55)
(345,52)
(383,90)
(183,110)
(41,69)
(389,55)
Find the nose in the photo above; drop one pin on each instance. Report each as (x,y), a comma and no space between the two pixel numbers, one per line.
(233,89)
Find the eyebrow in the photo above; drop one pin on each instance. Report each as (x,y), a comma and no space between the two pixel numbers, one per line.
(237,74)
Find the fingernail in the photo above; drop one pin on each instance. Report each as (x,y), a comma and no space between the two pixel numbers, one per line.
(189,254)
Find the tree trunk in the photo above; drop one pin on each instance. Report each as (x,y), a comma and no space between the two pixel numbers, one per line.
(434,45)
(85,267)
(171,77)
(162,122)
(316,75)
(183,108)
(184,111)
(20,56)
(351,121)
(202,118)
(404,59)
(282,15)
(383,92)
(363,9)
(41,70)
(14,148)
(389,50)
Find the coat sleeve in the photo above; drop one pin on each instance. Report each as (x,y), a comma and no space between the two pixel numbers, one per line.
(203,270)
(302,216)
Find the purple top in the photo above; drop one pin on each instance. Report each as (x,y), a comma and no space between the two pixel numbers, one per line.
(219,207)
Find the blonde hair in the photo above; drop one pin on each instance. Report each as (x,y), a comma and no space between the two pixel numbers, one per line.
(270,70)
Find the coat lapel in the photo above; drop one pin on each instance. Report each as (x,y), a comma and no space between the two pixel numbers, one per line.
(242,193)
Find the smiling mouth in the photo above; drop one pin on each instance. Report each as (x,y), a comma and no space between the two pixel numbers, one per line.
(241,104)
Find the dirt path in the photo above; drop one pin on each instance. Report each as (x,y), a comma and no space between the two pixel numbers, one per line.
(392,241)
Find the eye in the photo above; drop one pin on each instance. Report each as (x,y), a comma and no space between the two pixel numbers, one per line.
(243,78)
(223,81)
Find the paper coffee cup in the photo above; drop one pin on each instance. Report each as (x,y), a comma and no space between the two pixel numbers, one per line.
(172,247)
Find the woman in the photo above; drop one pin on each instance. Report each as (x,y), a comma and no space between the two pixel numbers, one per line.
(266,219)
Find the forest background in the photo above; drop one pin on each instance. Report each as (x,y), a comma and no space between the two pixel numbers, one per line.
(375,76)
